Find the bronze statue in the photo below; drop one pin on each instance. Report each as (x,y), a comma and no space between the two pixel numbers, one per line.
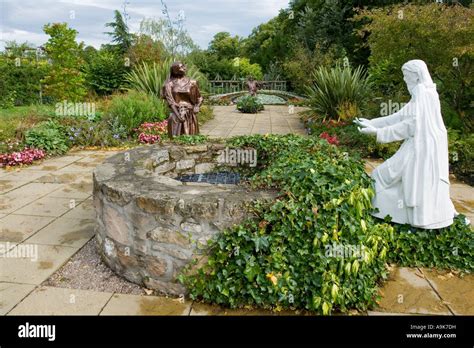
(184,100)
(253,86)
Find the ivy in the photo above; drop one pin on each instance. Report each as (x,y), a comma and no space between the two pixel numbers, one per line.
(278,258)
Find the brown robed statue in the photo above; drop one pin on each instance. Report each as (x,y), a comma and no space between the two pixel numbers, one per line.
(184,100)
(252,86)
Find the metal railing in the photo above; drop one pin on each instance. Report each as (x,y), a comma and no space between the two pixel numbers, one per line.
(232,86)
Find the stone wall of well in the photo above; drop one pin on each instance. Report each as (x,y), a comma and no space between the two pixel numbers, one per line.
(149,225)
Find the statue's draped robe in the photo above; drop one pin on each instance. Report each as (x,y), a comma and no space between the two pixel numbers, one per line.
(184,94)
(413,185)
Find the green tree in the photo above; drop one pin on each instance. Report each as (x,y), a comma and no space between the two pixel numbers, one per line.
(224,46)
(439,34)
(120,33)
(64,80)
(105,72)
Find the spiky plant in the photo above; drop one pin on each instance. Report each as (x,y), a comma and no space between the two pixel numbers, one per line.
(149,78)
(333,89)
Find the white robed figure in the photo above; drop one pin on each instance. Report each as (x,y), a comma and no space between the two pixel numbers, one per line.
(413,185)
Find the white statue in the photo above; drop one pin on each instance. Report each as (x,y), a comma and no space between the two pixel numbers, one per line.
(413,185)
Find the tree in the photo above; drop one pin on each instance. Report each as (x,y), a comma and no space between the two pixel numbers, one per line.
(120,33)
(145,49)
(105,72)
(440,35)
(64,80)
(224,46)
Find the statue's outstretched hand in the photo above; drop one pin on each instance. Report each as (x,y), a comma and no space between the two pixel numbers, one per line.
(363,122)
(369,130)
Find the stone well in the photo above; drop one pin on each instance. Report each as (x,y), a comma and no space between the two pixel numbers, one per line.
(149,225)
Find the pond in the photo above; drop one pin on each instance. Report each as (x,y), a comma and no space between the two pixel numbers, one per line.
(266,99)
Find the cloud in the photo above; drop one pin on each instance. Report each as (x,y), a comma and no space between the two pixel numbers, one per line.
(24,20)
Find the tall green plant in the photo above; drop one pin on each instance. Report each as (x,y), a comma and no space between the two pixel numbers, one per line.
(65,80)
(149,78)
(135,108)
(339,92)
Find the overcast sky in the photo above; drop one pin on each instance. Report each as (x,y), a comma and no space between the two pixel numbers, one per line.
(23,20)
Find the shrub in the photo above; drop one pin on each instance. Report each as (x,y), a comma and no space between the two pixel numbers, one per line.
(286,255)
(134,108)
(190,139)
(205,114)
(279,258)
(48,136)
(101,133)
(461,155)
(249,105)
(105,72)
(446,48)
(338,93)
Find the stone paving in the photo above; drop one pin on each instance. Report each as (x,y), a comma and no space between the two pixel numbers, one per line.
(49,206)
(275,119)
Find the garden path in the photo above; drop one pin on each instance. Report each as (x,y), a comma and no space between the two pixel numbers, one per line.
(49,206)
(275,119)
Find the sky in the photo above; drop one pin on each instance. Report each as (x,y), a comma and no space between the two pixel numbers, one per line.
(23,20)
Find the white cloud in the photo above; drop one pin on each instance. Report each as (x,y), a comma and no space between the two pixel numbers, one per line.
(24,20)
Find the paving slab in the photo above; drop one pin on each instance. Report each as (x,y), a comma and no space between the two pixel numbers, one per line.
(24,175)
(229,122)
(199,308)
(84,210)
(36,264)
(121,304)
(78,190)
(58,301)
(78,167)
(407,291)
(48,206)
(10,202)
(9,185)
(62,178)
(11,294)
(457,291)
(17,228)
(65,232)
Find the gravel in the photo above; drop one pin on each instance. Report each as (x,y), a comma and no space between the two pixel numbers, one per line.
(86,271)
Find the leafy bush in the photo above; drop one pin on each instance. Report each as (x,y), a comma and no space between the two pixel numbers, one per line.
(190,139)
(446,48)
(461,155)
(205,114)
(105,73)
(48,136)
(134,108)
(351,140)
(249,105)
(83,132)
(338,93)
(446,248)
(285,255)
(279,258)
